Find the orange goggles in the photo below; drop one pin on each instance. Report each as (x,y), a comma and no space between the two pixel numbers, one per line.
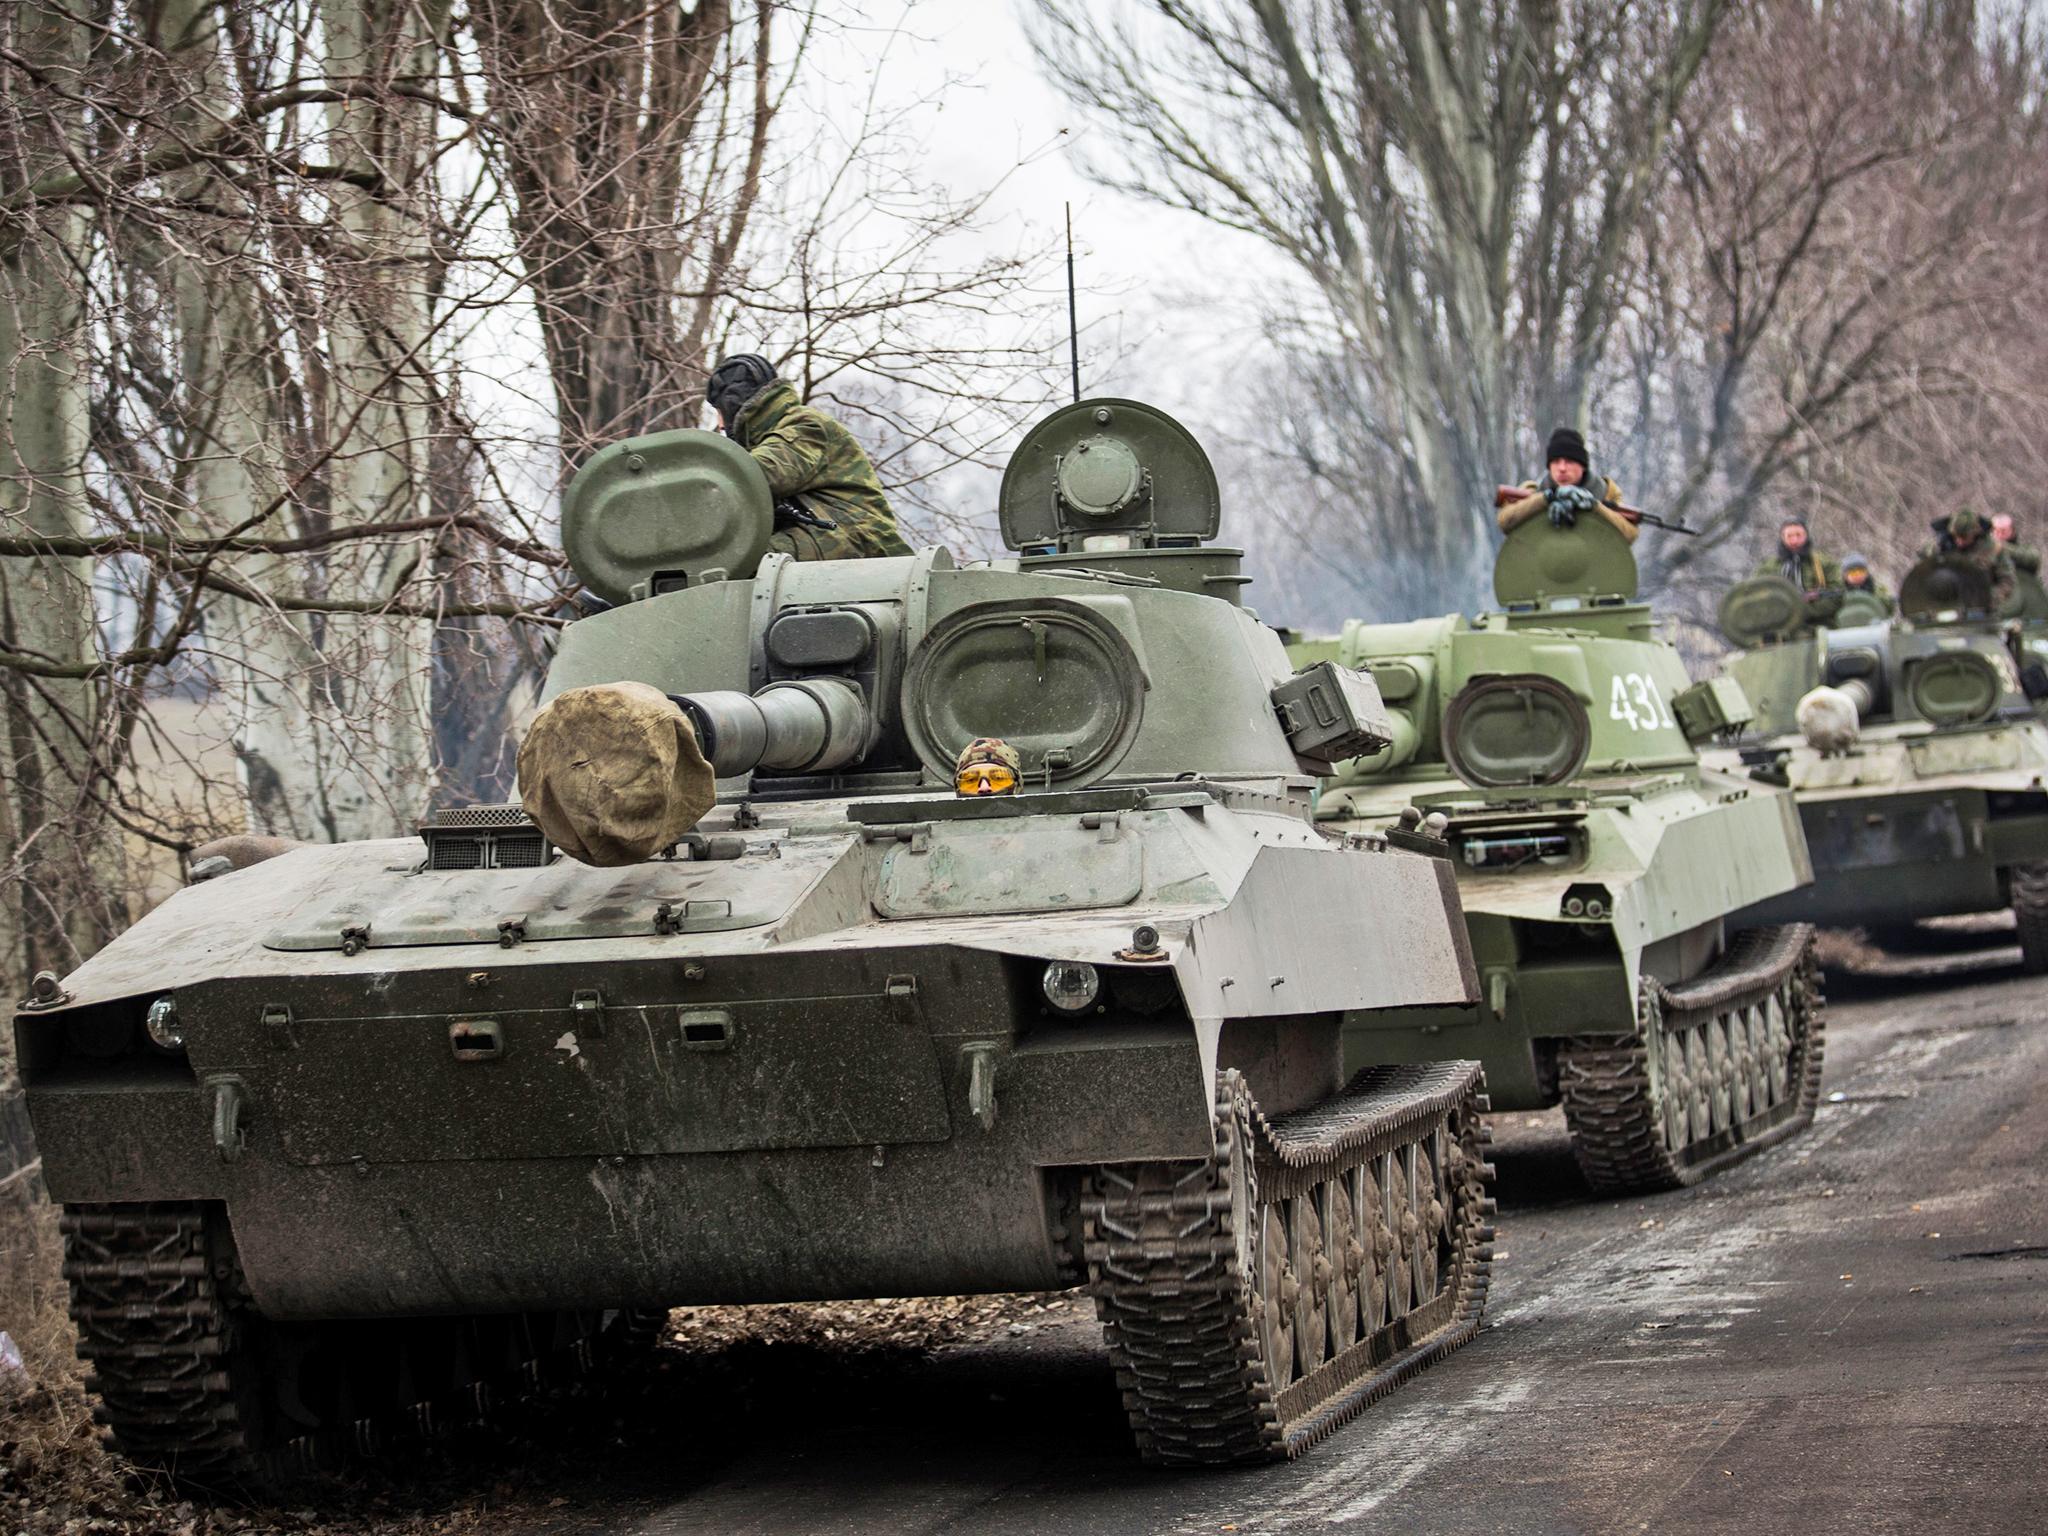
(984,779)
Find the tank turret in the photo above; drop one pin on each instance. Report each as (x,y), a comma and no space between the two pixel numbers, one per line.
(1567,680)
(872,675)
(1947,661)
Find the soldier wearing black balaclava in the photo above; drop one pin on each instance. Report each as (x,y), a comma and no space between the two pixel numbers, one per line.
(829,503)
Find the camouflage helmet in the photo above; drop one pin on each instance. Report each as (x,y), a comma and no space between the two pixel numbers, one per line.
(993,752)
(989,749)
(1964,523)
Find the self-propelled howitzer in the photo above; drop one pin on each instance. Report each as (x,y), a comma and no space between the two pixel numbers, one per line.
(1601,867)
(1916,751)
(349,1136)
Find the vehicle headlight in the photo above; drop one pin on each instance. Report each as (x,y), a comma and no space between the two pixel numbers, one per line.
(165,1032)
(1072,986)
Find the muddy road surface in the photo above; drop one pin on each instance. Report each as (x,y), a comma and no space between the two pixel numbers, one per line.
(1848,1334)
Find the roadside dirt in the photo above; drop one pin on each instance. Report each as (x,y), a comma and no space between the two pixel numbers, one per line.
(547,1465)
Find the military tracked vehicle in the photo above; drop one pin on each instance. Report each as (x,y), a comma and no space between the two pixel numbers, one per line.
(1915,749)
(1602,868)
(355,1136)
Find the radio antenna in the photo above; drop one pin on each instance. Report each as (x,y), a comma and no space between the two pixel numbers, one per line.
(1073,322)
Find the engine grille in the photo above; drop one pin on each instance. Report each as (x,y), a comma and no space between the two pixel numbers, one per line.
(484,837)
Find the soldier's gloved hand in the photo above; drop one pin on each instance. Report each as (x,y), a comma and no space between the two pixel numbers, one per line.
(1568,503)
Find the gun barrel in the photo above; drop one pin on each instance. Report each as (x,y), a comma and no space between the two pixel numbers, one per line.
(811,725)
(1857,690)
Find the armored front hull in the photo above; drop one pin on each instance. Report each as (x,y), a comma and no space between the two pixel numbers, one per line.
(799,1099)
(1655,886)
(1912,824)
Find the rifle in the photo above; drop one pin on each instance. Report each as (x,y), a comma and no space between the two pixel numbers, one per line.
(794,514)
(1508,495)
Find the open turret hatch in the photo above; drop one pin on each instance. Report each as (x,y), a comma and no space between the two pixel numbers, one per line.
(1540,564)
(1120,490)
(1942,587)
(668,510)
(1761,610)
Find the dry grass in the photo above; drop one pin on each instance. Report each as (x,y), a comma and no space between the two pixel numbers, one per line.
(51,1466)
(1847,949)
(56,1479)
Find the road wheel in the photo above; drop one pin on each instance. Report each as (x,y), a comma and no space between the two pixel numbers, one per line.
(1348,1258)
(2030,911)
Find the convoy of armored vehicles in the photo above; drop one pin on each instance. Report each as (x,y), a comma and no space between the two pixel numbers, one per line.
(1202,1015)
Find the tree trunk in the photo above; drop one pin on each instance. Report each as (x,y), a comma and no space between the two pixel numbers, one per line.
(59,866)
(330,712)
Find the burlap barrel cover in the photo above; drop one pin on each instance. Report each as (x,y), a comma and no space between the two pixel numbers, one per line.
(613,773)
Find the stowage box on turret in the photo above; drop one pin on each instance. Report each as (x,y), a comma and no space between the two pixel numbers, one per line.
(1916,751)
(1600,865)
(350,1136)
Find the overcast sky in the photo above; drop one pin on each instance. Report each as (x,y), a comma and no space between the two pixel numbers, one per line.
(1139,264)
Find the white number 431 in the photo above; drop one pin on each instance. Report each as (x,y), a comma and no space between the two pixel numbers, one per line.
(1635,699)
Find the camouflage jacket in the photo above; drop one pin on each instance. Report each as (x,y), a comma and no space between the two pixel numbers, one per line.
(1984,550)
(1812,571)
(1516,513)
(812,460)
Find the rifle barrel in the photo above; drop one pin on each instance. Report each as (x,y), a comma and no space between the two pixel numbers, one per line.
(1508,495)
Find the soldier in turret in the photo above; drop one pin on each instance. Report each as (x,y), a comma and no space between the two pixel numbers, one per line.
(1568,490)
(1857,576)
(1965,534)
(2025,557)
(1798,561)
(828,503)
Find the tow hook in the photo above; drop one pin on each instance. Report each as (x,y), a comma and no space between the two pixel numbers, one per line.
(230,1135)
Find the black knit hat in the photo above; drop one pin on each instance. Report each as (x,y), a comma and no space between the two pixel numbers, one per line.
(736,381)
(1565,443)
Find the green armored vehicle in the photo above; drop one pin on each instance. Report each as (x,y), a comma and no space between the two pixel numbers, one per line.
(353,1137)
(1602,868)
(1915,749)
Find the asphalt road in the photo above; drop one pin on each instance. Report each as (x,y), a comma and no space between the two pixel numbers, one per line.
(1849,1333)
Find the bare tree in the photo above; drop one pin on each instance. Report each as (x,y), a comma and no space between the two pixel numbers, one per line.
(661,221)
(1460,187)
(275,275)
(1845,315)
(1762,253)
(50,908)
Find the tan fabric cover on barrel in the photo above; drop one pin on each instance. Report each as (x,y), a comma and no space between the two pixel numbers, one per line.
(613,773)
